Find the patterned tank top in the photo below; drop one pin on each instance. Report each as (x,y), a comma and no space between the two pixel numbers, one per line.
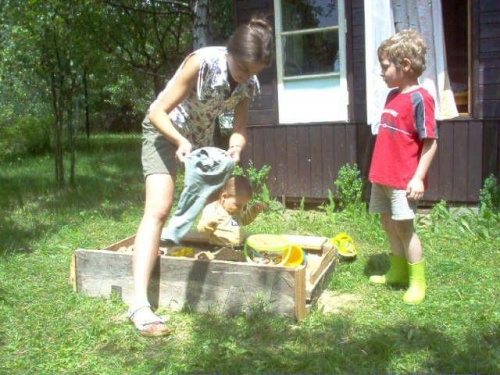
(195,116)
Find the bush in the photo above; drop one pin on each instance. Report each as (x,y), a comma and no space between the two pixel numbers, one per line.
(26,135)
(258,179)
(489,196)
(349,186)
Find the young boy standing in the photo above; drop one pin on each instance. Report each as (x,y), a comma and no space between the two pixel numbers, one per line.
(405,147)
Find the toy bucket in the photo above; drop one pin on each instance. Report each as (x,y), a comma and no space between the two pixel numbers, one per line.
(294,256)
(267,249)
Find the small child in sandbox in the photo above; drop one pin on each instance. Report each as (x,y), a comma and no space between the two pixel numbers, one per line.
(224,219)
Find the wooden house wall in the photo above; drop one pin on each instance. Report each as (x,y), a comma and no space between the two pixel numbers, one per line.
(305,158)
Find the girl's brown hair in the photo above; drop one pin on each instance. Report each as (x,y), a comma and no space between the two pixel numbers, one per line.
(407,44)
(253,42)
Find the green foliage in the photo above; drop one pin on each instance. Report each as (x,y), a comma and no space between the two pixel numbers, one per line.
(349,186)
(258,179)
(26,135)
(47,328)
(489,196)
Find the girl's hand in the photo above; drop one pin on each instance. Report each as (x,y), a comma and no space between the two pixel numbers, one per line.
(183,151)
(415,189)
(234,153)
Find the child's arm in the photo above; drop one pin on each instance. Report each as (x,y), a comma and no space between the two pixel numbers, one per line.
(415,189)
(251,213)
(207,223)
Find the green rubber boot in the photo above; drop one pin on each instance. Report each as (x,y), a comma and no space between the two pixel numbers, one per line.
(397,274)
(416,292)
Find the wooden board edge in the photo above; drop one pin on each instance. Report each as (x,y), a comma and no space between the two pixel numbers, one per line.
(312,290)
(72,272)
(327,259)
(306,242)
(300,294)
(125,242)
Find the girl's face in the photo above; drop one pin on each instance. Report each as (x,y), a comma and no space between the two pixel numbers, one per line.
(391,74)
(242,71)
(233,204)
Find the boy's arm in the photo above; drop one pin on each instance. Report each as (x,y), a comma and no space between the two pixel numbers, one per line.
(207,224)
(415,189)
(251,213)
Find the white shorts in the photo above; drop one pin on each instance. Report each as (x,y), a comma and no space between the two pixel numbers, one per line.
(387,200)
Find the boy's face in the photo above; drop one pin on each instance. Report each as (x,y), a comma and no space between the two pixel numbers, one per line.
(391,74)
(233,204)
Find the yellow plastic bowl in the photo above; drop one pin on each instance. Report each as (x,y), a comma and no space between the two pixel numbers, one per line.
(294,256)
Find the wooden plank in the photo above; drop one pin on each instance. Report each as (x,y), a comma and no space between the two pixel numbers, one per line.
(300,293)
(489,45)
(446,160)
(327,152)
(489,76)
(460,150)
(325,262)
(72,273)
(339,149)
(489,5)
(292,158)
(304,151)
(279,168)
(475,152)
(269,154)
(176,283)
(125,242)
(306,242)
(316,188)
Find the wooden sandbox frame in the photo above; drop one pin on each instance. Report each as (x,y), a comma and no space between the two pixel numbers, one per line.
(210,285)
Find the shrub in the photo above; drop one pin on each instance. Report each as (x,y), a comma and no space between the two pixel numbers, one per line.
(349,186)
(258,179)
(489,196)
(26,135)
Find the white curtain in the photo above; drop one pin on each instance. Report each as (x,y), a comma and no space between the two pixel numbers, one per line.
(425,16)
(379,25)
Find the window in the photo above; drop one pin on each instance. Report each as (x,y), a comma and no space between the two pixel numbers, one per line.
(310,43)
(456,30)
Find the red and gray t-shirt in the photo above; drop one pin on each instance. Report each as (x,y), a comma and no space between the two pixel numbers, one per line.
(406,121)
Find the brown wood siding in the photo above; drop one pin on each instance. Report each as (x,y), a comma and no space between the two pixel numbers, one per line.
(305,159)
(491,148)
(456,172)
(488,85)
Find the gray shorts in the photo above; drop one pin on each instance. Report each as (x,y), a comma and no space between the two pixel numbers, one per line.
(158,154)
(387,200)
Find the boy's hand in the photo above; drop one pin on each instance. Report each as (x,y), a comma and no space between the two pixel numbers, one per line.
(260,207)
(415,189)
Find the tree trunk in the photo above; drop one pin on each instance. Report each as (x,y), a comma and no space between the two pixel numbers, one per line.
(200,24)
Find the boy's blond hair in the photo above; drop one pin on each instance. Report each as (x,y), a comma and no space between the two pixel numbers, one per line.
(407,44)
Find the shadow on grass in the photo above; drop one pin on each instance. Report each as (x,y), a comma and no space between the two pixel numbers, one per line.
(377,264)
(265,344)
(108,182)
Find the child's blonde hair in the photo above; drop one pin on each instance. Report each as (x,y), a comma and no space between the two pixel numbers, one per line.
(407,44)
(238,185)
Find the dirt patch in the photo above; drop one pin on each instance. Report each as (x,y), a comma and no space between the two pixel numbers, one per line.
(335,303)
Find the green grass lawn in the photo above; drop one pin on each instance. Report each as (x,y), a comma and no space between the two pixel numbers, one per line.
(46,328)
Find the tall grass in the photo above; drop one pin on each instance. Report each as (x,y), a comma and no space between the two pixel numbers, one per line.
(46,328)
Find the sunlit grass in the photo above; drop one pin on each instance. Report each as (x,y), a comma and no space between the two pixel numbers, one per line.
(46,328)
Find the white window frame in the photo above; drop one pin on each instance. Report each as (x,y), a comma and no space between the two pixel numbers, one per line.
(315,101)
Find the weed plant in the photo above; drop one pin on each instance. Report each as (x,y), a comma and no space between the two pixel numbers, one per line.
(47,328)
